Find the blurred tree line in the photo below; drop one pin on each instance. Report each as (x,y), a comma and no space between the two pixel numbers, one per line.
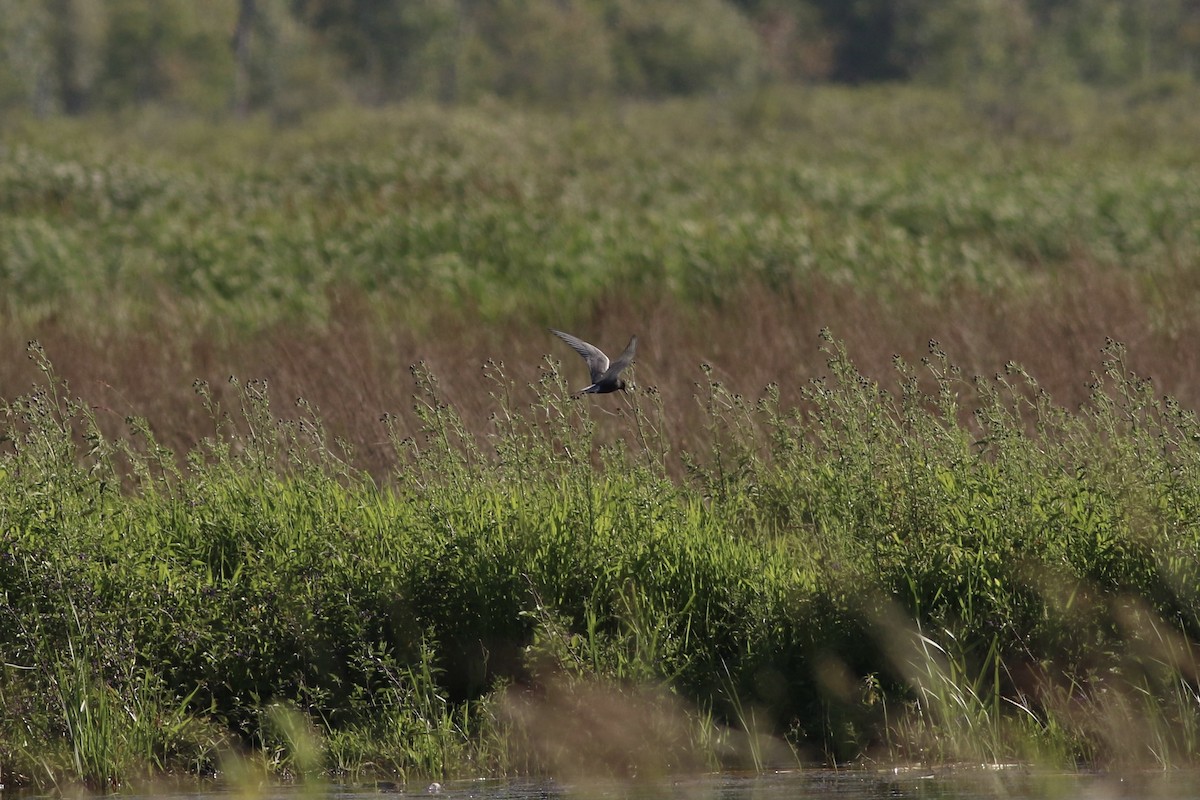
(290,56)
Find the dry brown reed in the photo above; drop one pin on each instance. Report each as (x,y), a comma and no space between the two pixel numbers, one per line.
(353,367)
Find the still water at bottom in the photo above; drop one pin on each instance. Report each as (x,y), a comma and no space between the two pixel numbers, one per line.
(958,784)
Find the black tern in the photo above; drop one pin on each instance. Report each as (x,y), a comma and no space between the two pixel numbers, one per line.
(606,377)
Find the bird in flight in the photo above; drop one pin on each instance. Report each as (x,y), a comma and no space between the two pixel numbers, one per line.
(606,377)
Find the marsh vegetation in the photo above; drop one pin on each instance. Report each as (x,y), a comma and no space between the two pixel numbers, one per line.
(813,535)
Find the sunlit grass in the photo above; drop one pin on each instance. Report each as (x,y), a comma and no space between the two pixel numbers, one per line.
(496,212)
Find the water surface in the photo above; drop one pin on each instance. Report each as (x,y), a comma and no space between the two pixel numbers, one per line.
(952,784)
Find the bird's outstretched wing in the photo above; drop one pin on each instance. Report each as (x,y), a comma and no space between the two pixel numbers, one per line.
(624,360)
(596,360)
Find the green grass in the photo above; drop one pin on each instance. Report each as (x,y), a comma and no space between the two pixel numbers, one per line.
(884,575)
(497,213)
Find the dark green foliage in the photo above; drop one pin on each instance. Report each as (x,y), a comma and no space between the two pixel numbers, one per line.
(288,58)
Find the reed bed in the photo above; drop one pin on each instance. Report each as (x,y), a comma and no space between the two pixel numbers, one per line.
(887,576)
